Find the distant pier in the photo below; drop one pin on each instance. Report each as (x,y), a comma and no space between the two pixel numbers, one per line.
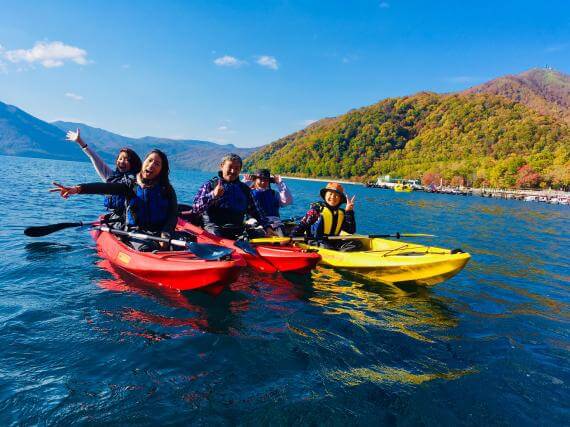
(544,196)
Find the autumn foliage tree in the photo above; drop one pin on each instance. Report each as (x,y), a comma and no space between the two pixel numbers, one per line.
(527,177)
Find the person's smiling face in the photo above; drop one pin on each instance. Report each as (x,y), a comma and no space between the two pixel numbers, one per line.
(332,198)
(151,167)
(230,170)
(123,162)
(262,183)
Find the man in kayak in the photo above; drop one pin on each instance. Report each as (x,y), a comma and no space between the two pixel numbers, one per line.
(329,219)
(223,201)
(267,198)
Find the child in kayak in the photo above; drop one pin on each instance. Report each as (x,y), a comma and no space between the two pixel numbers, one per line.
(329,219)
(267,198)
(151,204)
(127,166)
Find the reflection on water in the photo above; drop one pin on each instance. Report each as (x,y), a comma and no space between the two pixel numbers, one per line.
(37,251)
(409,309)
(210,314)
(384,374)
(83,343)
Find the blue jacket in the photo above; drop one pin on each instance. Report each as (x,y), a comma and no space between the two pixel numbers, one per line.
(268,201)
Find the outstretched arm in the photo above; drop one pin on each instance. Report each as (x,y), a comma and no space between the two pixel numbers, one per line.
(92,188)
(99,164)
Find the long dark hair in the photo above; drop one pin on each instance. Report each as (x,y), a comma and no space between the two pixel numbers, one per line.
(134,160)
(163,179)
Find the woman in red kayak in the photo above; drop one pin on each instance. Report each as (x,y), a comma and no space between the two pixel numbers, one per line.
(127,166)
(151,204)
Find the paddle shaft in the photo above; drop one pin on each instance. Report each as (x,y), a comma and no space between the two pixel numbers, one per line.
(44,230)
(325,238)
(141,236)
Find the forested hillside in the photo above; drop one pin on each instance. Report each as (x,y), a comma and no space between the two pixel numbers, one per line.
(478,139)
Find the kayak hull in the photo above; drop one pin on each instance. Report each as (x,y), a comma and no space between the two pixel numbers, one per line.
(396,262)
(179,270)
(271,258)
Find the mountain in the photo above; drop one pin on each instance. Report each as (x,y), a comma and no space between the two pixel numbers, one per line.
(189,154)
(24,135)
(542,89)
(481,139)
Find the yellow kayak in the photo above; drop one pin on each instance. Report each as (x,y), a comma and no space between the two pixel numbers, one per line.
(403,188)
(396,262)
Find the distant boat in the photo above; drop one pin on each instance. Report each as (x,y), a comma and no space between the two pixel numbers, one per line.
(403,188)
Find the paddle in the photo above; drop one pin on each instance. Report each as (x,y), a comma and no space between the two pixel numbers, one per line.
(44,230)
(205,251)
(242,241)
(344,237)
(245,246)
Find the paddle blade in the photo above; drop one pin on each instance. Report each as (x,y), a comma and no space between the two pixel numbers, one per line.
(208,251)
(44,230)
(245,246)
(416,235)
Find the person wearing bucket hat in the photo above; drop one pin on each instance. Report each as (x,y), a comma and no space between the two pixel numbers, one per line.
(267,198)
(329,219)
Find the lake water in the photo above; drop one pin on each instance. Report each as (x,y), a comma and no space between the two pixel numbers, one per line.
(489,347)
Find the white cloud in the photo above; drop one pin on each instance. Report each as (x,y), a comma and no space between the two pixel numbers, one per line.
(74,96)
(268,62)
(384,5)
(48,54)
(229,61)
(226,128)
(309,122)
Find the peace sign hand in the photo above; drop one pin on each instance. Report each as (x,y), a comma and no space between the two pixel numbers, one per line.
(350,203)
(64,191)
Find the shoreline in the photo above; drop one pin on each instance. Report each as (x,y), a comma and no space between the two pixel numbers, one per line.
(322,180)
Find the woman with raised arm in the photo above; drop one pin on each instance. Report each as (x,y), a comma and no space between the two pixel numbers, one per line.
(150,200)
(127,166)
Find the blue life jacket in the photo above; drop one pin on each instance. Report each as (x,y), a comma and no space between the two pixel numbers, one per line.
(230,207)
(114,202)
(148,208)
(268,200)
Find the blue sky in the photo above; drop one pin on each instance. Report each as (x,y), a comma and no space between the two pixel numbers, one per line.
(249,72)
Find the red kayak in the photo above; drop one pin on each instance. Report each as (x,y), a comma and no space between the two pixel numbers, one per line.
(270,259)
(180,270)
